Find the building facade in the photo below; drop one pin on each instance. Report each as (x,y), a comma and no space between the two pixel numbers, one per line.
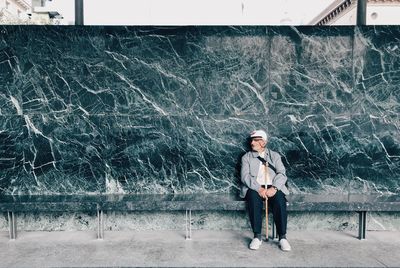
(344,12)
(14,10)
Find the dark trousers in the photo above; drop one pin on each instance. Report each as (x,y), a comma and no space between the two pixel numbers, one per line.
(277,204)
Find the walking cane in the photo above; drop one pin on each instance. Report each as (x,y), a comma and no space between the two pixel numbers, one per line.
(266,201)
(266,219)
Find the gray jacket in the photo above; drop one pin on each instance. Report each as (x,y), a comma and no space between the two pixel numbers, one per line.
(250,167)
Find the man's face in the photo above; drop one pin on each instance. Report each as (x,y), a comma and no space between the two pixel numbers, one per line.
(257,144)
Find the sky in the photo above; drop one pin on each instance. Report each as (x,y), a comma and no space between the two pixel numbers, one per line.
(193,12)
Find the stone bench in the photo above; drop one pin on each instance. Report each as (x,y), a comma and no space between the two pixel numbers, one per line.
(188,203)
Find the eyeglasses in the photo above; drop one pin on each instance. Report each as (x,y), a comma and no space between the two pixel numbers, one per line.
(256,139)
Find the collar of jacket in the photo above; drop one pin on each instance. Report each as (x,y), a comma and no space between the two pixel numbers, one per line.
(255,154)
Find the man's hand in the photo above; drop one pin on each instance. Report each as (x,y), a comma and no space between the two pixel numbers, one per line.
(263,193)
(270,192)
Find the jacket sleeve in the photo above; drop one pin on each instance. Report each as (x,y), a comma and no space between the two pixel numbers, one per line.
(245,176)
(280,178)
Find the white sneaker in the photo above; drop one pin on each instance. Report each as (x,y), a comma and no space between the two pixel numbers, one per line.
(255,244)
(284,244)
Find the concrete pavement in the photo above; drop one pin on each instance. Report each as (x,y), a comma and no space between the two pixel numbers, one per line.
(206,249)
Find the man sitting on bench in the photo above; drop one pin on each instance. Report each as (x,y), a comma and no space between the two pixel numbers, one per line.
(263,177)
